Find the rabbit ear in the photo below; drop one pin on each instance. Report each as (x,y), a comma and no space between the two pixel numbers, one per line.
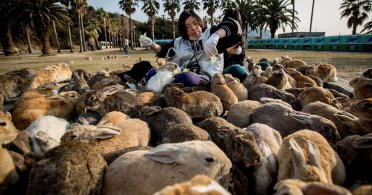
(269,155)
(179,92)
(301,117)
(165,153)
(54,97)
(298,157)
(347,118)
(278,137)
(222,133)
(83,121)
(110,90)
(279,94)
(320,188)
(8,115)
(151,110)
(314,154)
(105,132)
(364,142)
(75,75)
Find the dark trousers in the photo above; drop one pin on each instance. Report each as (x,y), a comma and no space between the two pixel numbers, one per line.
(126,49)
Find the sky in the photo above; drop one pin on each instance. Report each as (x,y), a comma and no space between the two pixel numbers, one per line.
(326,15)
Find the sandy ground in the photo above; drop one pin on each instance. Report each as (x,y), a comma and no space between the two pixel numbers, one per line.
(348,64)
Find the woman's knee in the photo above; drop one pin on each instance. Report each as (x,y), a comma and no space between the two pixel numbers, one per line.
(236,71)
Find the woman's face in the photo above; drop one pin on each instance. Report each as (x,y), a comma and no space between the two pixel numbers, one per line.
(193,28)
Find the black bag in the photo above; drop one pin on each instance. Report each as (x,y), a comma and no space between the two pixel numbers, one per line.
(193,67)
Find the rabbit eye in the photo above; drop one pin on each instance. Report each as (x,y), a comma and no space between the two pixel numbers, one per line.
(3,124)
(209,159)
(73,136)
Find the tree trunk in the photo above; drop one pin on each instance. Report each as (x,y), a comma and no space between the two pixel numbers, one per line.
(9,47)
(44,38)
(152,27)
(174,28)
(70,39)
(55,34)
(130,30)
(110,39)
(120,41)
(29,48)
(354,29)
(91,45)
(96,42)
(261,29)
(83,32)
(105,33)
(272,34)
(80,34)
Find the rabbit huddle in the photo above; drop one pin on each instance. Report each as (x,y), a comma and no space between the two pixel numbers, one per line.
(279,131)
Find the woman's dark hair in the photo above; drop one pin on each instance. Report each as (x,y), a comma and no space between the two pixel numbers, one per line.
(234,14)
(182,20)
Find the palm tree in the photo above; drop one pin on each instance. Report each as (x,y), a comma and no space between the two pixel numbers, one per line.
(191,5)
(29,48)
(150,7)
(246,9)
(172,7)
(211,6)
(42,13)
(128,6)
(312,13)
(293,13)
(56,36)
(67,4)
(259,21)
(367,28)
(114,28)
(277,14)
(81,6)
(228,4)
(357,11)
(104,18)
(92,29)
(8,12)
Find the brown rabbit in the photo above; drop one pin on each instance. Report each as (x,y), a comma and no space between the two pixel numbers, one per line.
(221,90)
(53,73)
(313,94)
(79,84)
(71,168)
(362,109)
(1,102)
(302,80)
(111,98)
(307,155)
(280,79)
(288,62)
(26,73)
(326,72)
(362,87)
(198,104)
(8,174)
(12,86)
(62,106)
(236,86)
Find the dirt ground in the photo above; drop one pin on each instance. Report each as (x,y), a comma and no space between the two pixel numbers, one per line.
(348,64)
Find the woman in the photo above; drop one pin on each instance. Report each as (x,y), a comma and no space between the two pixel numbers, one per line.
(233,53)
(195,51)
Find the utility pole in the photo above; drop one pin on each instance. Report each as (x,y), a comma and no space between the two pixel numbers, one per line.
(312,12)
(293,14)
